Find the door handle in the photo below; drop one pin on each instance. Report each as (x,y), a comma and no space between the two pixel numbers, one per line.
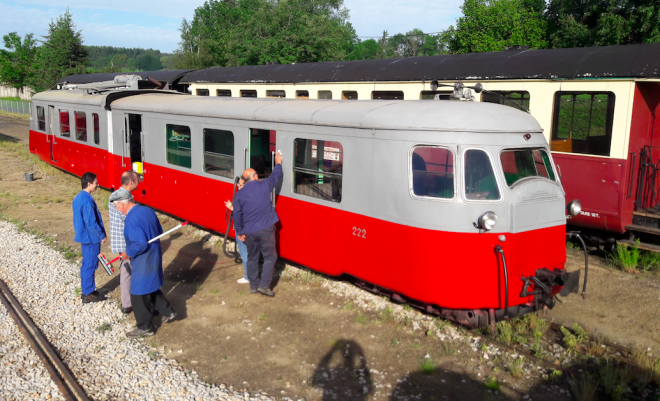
(246,158)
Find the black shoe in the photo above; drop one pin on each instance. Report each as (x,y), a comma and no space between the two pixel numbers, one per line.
(93,297)
(265,291)
(103,291)
(137,333)
(170,318)
(126,311)
(155,312)
(253,291)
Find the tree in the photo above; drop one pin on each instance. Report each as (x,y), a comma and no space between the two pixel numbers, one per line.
(578,23)
(16,62)
(61,54)
(491,25)
(251,32)
(364,50)
(147,62)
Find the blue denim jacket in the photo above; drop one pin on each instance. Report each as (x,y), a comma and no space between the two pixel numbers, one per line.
(87,221)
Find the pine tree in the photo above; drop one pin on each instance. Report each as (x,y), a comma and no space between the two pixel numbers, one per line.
(61,54)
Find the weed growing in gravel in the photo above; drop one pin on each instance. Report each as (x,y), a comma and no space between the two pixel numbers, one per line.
(104,327)
(262,316)
(348,306)
(516,367)
(583,387)
(430,333)
(504,332)
(362,319)
(394,342)
(650,261)
(78,291)
(387,314)
(610,377)
(449,347)
(554,376)
(492,384)
(427,365)
(415,344)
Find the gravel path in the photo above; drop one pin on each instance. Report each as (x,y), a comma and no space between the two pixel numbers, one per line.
(89,338)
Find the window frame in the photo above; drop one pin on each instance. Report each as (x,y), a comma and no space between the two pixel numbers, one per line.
(59,113)
(43,112)
(306,171)
(411,190)
(275,94)
(299,94)
(528,179)
(249,92)
(609,123)
(345,93)
(200,92)
(75,118)
(501,92)
(497,176)
(192,165)
(387,93)
(437,92)
(318,95)
(225,92)
(204,153)
(98,118)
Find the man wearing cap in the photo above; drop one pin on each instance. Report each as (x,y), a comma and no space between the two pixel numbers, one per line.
(129,182)
(140,226)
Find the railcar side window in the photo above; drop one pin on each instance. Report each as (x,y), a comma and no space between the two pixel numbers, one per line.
(387,95)
(302,94)
(430,95)
(202,92)
(349,95)
(325,95)
(522,163)
(433,172)
(248,93)
(219,152)
(517,99)
(81,125)
(223,92)
(97,129)
(276,93)
(583,122)
(318,177)
(41,119)
(65,128)
(178,145)
(480,182)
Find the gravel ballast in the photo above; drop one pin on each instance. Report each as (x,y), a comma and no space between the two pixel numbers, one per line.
(90,338)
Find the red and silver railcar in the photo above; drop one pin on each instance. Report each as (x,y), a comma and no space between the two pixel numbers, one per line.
(468,189)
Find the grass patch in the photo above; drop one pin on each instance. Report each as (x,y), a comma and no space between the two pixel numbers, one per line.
(574,340)
(104,327)
(650,261)
(583,387)
(449,347)
(427,365)
(387,314)
(516,367)
(262,316)
(492,384)
(626,257)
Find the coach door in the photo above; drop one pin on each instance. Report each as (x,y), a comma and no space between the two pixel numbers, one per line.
(261,150)
(51,132)
(133,139)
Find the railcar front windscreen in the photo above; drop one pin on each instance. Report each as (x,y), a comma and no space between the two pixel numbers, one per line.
(480,182)
(523,163)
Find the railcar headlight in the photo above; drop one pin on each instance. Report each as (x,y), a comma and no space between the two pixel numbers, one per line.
(487,221)
(574,207)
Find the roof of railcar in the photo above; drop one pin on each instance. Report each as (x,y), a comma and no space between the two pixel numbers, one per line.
(380,114)
(91,97)
(625,61)
(168,76)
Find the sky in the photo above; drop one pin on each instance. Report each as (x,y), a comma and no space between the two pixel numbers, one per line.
(155,24)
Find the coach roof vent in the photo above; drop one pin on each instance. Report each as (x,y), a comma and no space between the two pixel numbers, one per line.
(517,47)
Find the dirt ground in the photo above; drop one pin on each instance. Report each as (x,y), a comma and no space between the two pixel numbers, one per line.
(306,342)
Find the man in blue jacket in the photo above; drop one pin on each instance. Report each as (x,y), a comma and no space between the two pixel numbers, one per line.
(140,226)
(90,233)
(254,223)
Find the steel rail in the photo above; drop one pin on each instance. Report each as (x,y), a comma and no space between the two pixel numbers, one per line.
(59,373)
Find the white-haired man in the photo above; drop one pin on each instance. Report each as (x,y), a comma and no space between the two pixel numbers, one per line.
(140,226)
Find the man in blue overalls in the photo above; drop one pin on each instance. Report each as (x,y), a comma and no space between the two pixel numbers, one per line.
(140,226)
(90,233)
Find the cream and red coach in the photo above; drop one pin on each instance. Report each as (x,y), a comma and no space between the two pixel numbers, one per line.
(430,201)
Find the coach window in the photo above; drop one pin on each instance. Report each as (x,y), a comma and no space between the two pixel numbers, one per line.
(387,95)
(97,129)
(349,95)
(517,99)
(480,182)
(248,93)
(325,95)
(178,145)
(314,176)
(81,126)
(276,93)
(430,95)
(41,119)
(432,172)
(302,95)
(219,152)
(582,122)
(523,163)
(65,128)
(223,92)
(202,92)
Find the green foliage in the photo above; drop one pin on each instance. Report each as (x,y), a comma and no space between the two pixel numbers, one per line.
(427,365)
(650,261)
(555,375)
(627,257)
(492,25)
(104,327)
(61,54)
(16,62)
(584,387)
(516,367)
(576,23)
(504,332)
(122,59)
(492,384)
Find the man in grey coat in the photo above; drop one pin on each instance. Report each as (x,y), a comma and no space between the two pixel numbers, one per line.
(129,182)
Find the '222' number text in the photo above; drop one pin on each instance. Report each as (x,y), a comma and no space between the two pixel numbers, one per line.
(359,232)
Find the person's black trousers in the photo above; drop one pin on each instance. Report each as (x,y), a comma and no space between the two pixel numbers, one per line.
(263,241)
(142,308)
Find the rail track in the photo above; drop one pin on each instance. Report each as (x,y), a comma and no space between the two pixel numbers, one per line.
(57,370)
